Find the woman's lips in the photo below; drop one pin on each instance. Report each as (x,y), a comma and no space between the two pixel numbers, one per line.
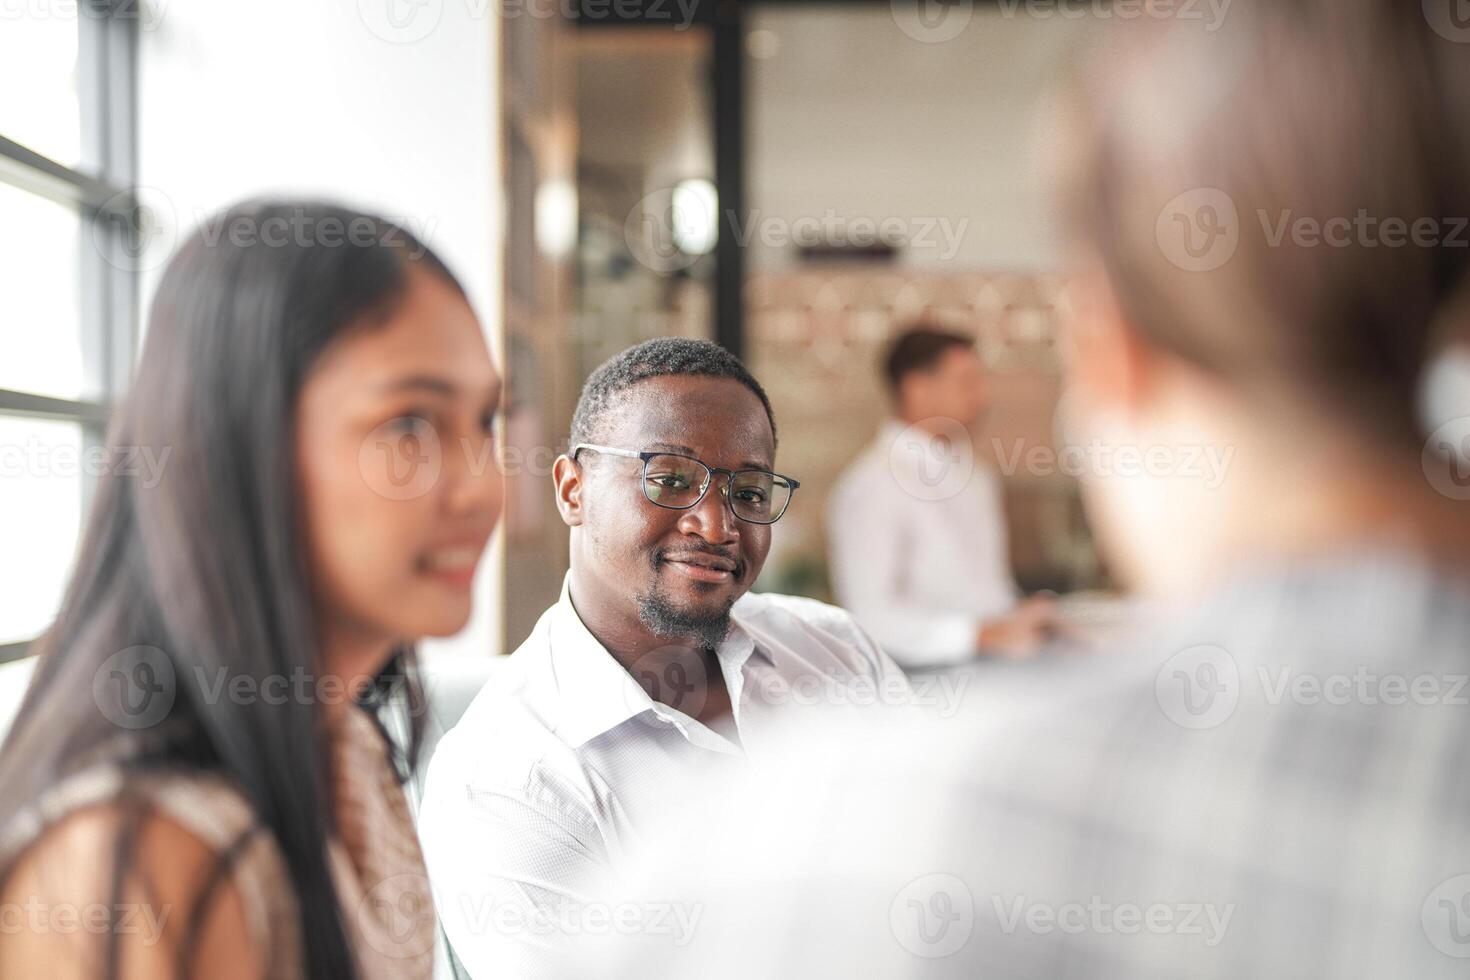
(455,565)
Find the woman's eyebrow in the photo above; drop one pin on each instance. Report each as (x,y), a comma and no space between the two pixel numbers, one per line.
(437,385)
(421,382)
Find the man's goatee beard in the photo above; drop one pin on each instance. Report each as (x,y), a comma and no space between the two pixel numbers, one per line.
(665,619)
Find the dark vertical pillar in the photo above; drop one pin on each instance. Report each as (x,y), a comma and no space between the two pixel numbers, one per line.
(729,119)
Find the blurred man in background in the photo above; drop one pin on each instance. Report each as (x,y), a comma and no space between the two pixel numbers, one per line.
(919,549)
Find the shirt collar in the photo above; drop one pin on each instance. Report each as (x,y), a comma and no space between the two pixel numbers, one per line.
(596,693)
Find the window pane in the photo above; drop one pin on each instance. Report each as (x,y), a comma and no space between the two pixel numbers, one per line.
(38,73)
(40,297)
(41,467)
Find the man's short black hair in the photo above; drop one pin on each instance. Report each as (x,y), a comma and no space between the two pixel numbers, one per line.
(658,358)
(919,348)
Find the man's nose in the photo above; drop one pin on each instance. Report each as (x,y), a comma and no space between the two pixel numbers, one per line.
(711,518)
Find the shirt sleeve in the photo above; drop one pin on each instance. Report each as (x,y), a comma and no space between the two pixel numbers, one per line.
(865,538)
(509,869)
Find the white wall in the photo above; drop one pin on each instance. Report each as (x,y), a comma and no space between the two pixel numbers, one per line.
(851,113)
(333,98)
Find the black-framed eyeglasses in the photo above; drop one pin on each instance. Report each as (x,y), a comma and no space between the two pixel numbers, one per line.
(678,482)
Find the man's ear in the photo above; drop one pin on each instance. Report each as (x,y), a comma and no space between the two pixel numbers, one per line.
(567,476)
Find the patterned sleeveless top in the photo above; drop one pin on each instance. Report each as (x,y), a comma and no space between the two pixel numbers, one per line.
(375,860)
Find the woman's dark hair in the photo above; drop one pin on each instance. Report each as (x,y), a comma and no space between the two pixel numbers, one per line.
(1199,147)
(206,571)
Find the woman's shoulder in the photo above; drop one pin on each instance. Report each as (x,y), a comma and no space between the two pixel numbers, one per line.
(168,870)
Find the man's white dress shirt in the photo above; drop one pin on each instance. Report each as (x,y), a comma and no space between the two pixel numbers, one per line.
(918,546)
(544,784)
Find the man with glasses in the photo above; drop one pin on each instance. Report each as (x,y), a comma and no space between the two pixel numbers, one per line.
(657,665)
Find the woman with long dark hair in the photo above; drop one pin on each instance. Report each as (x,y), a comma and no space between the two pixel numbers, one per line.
(199,782)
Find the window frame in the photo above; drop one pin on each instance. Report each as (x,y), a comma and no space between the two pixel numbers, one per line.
(106,201)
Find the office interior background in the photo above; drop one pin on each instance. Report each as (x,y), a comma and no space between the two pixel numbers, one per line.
(796,180)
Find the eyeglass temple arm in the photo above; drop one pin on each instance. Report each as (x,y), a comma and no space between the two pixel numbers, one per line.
(607,450)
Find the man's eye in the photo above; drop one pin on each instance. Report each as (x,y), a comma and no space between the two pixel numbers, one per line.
(751,494)
(669,481)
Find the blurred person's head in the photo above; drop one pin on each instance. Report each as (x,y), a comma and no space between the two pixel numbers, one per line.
(1197,165)
(641,569)
(325,400)
(935,374)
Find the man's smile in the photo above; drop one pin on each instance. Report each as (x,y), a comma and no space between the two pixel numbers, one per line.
(701,566)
